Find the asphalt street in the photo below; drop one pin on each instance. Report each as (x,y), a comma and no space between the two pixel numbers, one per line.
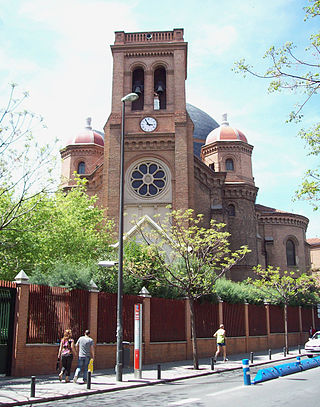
(224,390)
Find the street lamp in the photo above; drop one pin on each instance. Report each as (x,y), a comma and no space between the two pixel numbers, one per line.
(119,365)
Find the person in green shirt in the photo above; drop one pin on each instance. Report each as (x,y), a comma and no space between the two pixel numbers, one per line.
(220,334)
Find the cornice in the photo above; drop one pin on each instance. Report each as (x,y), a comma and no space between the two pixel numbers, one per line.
(227,146)
(139,54)
(78,149)
(206,176)
(240,190)
(288,219)
(147,144)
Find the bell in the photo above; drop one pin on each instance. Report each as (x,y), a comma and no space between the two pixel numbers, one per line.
(137,88)
(159,88)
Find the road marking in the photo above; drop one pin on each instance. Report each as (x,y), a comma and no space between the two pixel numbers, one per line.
(182,402)
(225,391)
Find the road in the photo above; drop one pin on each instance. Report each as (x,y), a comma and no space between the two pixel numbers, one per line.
(224,390)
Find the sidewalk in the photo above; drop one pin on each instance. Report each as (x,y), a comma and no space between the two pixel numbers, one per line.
(16,391)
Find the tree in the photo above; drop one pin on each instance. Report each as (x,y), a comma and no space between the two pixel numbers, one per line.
(25,166)
(289,71)
(61,229)
(286,286)
(196,258)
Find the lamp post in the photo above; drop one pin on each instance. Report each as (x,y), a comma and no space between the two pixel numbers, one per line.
(119,365)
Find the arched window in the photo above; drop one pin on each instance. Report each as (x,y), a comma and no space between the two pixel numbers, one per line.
(81,168)
(211,166)
(229,164)
(160,94)
(231,210)
(291,253)
(138,87)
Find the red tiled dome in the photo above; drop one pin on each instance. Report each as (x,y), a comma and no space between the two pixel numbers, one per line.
(87,136)
(225,133)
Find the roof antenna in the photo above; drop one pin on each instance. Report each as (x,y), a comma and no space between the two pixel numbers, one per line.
(224,120)
(88,123)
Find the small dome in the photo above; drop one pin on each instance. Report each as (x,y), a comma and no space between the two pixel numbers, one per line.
(225,133)
(88,136)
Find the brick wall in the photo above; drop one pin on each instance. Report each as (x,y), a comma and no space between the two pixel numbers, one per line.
(35,359)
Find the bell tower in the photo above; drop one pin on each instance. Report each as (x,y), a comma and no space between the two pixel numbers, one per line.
(158,156)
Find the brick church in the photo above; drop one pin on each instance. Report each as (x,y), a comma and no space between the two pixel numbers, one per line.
(177,154)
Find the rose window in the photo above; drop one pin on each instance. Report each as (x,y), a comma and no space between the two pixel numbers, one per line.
(148,179)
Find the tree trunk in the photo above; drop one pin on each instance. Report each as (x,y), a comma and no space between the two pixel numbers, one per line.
(286,326)
(194,336)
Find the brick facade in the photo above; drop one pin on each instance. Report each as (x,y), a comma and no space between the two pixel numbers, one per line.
(205,184)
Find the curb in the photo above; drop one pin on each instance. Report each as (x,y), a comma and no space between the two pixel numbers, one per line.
(139,384)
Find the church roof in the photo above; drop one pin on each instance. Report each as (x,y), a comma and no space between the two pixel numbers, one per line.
(314,241)
(87,136)
(203,125)
(225,133)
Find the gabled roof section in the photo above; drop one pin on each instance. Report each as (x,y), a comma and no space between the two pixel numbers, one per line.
(147,224)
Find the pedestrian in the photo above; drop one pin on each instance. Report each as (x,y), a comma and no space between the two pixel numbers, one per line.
(220,334)
(65,353)
(85,349)
(312,331)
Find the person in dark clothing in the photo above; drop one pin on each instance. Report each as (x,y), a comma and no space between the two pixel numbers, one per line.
(66,352)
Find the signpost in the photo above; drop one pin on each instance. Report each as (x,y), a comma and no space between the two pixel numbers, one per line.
(137,340)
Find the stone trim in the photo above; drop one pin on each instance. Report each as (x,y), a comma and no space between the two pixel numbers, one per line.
(234,146)
(246,191)
(283,219)
(146,145)
(139,54)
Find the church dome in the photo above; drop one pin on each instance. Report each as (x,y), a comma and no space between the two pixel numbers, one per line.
(203,125)
(88,136)
(225,133)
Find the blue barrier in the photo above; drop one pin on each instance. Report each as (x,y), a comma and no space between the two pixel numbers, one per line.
(308,363)
(288,368)
(246,372)
(285,369)
(317,358)
(265,374)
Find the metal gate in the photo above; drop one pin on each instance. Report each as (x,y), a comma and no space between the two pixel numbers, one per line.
(7,305)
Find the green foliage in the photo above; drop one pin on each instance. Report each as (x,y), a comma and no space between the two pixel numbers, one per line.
(235,292)
(25,165)
(187,256)
(138,260)
(63,228)
(283,286)
(300,75)
(70,276)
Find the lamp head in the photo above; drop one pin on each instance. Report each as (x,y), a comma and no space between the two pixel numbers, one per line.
(107,263)
(131,97)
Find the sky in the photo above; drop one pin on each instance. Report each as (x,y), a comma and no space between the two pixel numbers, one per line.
(59,51)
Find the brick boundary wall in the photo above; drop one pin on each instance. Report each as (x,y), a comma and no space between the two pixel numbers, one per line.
(36,359)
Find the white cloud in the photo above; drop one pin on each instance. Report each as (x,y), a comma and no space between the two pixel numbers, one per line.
(214,40)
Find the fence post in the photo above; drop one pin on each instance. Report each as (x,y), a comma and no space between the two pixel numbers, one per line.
(188,329)
(20,324)
(247,327)
(267,308)
(146,323)
(93,311)
(220,312)
(313,319)
(300,324)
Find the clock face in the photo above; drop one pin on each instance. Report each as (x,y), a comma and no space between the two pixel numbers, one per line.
(148,124)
